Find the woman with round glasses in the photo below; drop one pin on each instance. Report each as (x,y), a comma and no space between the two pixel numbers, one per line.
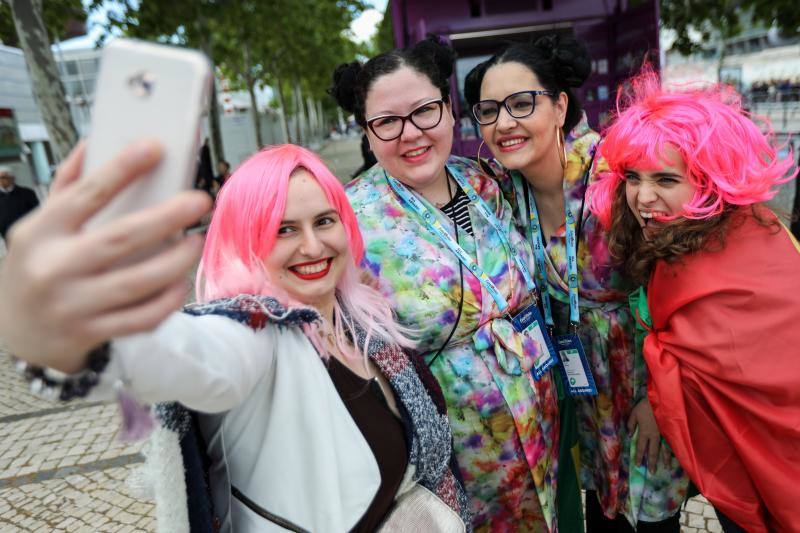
(544,158)
(442,246)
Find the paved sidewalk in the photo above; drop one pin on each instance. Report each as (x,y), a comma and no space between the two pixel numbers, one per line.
(342,156)
(63,469)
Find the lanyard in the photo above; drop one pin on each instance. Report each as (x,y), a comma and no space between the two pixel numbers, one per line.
(435,226)
(541,264)
(489,215)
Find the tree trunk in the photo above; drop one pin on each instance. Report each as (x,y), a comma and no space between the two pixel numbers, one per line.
(297,134)
(299,113)
(217,148)
(313,122)
(254,109)
(282,101)
(323,124)
(720,61)
(248,76)
(42,67)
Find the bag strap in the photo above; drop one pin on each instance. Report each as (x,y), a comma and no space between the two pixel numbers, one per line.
(263,513)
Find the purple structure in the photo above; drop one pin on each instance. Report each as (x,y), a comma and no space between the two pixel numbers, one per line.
(618,33)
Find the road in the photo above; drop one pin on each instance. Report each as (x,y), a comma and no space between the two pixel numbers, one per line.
(343,157)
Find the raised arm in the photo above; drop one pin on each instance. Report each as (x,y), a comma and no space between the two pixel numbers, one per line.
(60,290)
(208,363)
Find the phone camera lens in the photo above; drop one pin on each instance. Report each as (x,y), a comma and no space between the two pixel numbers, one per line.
(142,84)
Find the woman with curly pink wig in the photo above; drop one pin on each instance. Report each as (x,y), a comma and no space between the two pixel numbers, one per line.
(683,202)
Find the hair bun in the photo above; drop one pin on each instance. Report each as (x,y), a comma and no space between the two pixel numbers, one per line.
(442,54)
(570,58)
(343,89)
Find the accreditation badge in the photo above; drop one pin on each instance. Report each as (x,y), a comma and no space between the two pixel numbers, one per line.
(574,366)
(529,322)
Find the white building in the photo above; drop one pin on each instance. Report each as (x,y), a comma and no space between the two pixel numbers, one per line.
(759,63)
(78,70)
(33,165)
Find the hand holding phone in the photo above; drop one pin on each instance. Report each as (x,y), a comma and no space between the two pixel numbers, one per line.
(102,257)
(63,288)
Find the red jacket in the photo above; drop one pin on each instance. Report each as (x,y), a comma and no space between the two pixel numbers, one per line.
(724,363)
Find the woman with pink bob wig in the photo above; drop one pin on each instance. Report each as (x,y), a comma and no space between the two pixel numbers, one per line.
(289,378)
(247,217)
(689,171)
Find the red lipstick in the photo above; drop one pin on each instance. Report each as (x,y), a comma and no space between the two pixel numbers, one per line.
(316,275)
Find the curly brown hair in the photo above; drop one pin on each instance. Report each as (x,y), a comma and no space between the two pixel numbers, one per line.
(638,256)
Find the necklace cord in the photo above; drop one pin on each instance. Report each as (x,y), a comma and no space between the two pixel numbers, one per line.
(461,282)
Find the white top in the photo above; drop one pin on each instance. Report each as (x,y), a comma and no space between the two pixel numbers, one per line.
(280,432)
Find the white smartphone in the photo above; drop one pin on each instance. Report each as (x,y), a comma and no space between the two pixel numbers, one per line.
(154,91)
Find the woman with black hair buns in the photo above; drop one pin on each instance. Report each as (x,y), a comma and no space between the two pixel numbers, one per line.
(544,158)
(443,248)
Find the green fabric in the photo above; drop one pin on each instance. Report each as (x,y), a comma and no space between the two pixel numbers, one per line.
(568,492)
(644,487)
(638,302)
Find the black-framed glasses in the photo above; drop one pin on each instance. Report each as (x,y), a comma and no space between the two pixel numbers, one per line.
(518,105)
(424,117)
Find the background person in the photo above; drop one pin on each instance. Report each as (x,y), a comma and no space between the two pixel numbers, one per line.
(313,414)
(505,423)
(366,155)
(688,172)
(544,158)
(223,172)
(205,173)
(15,201)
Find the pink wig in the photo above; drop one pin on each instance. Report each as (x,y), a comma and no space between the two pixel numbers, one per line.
(728,159)
(247,216)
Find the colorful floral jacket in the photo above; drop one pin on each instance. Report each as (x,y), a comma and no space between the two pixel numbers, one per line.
(607,334)
(505,424)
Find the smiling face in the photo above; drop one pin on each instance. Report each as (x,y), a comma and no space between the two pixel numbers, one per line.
(417,157)
(311,250)
(528,144)
(657,195)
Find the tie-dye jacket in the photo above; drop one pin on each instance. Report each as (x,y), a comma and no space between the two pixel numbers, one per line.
(505,424)
(607,334)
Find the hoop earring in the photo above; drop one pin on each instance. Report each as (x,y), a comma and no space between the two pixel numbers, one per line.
(480,161)
(561,148)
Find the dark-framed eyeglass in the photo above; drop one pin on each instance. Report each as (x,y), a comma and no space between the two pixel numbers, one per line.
(518,105)
(390,127)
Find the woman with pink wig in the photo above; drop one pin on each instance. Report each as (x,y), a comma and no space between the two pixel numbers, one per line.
(309,412)
(718,311)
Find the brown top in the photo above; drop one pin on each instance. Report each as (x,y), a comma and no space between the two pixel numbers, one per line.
(383,432)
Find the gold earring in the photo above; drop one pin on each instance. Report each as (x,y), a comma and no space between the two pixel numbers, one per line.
(480,161)
(561,147)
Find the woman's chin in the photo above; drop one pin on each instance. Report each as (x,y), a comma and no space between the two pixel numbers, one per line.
(512,161)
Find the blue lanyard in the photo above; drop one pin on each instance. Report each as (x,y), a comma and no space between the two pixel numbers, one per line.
(476,200)
(541,264)
(435,226)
